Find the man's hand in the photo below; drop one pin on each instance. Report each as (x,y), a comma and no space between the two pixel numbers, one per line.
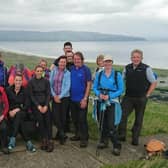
(83,103)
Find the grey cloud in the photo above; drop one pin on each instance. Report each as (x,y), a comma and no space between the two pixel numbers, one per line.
(108,16)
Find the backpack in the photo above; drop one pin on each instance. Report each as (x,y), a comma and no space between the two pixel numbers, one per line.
(155,147)
(115,79)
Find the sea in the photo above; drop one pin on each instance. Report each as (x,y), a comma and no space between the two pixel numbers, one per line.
(155,52)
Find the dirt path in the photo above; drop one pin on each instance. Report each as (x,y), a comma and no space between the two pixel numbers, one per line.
(71,156)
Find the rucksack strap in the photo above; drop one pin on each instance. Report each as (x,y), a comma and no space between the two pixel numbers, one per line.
(115,80)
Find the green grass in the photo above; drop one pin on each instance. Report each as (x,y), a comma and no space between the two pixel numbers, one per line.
(31,61)
(156,163)
(155,120)
(155,112)
(155,117)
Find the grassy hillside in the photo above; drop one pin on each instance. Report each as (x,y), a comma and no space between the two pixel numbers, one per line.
(155,118)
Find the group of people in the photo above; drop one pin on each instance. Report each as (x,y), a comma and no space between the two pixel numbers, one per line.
(67,84)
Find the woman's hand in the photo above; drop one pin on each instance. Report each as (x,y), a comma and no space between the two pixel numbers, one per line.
(39,107)
(13,112)
(44,109)
(104,97)
(57,99)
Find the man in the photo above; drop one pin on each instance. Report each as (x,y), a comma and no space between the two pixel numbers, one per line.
(70,62)
(80,89)
(67,48)
(3,73)
(140,82)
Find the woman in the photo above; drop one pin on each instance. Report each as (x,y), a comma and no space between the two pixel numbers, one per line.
(39,90)
(4,107)
(108,86)
(60,88)
(100,65)
(18,106)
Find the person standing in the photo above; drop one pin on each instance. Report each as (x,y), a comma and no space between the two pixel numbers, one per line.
(79,93)
(140,82)
(108,86)
(60,90)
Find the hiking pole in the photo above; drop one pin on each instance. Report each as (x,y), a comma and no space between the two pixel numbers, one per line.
(101,121)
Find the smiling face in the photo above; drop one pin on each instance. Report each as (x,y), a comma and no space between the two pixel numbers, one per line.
(67,48)
(69,56)
(108,64)
(78,62)
(62,63)
(136,58)
(18,81)
(43,64)
(100,62)
(38,72)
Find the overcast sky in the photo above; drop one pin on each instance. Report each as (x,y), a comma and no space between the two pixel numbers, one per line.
(146,18)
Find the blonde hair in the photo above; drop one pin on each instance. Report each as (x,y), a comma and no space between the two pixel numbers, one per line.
(99,57)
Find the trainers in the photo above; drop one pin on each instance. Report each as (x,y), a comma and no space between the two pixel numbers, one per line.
(12,143)
(30,147)
(116,151)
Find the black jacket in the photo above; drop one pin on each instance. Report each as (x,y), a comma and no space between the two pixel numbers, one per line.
(19,100)
(39,91)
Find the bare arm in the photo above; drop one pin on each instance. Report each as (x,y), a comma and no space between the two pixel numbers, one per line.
(87,92)
(151,88)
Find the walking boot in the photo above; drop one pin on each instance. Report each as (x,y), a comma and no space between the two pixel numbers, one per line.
(116,149)
(44,144)
(50,146)
(103,143)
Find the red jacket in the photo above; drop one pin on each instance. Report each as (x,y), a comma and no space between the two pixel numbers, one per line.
(4,102)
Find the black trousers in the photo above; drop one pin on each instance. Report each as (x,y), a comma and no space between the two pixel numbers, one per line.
(107,127)
(79,119)
(16,125)
(68,117)
(3,133)
(128,105)
(44,121)
(59,113)
(16,122)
